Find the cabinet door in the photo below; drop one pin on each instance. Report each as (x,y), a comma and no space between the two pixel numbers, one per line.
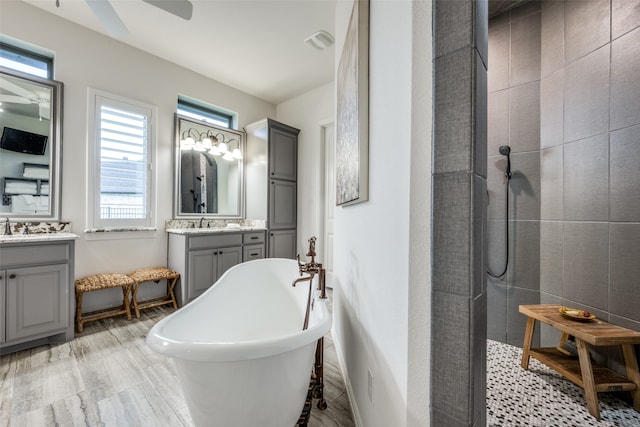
(227,258)
(37,300)
(3,287)
(283,156)
(282,204)
(203,272)
(282,244)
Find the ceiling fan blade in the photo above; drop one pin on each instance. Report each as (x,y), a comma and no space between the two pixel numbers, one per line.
(14,99)
(181,8)
(14,88)
(108,17)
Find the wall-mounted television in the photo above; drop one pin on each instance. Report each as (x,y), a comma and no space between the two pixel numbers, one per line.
(23,141)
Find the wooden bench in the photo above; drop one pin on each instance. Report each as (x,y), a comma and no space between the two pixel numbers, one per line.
(154,274)
(97,282)
(592,378)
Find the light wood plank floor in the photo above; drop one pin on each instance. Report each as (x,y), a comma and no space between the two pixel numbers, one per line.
(107,376)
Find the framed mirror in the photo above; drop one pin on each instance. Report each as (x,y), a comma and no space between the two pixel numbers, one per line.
(30,147)
(208,175)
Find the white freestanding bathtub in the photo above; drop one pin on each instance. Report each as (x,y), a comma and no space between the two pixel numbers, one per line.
(240,350)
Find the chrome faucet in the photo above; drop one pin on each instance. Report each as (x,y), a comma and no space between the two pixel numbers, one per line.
(7,228)
(201,221)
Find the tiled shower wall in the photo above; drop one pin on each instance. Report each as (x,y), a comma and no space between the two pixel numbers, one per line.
(564,93)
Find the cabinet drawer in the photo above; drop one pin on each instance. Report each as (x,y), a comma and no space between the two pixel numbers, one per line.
(254,237)
(30,254)
(215,241)
(252,252)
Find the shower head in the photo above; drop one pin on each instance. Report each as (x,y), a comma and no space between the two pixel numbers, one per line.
(505,150)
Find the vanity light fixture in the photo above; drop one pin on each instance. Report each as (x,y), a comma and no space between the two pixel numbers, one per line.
(216,144)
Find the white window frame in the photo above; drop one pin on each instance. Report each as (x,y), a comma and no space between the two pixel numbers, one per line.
(97,99)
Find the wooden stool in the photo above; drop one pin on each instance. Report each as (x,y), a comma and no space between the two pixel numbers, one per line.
(154,274)
(95,283)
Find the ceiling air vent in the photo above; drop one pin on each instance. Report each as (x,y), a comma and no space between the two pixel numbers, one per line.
(320,40)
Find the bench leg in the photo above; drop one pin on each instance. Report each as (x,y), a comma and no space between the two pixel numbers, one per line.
(588,382)
(631,363)
(134,299)
(171,284)
(79,312)
(125,301)
(528,337)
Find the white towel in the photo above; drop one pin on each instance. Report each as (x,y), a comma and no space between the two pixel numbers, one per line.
(23,203)
(20,187)
(44,189)
(42,203)
(36,172)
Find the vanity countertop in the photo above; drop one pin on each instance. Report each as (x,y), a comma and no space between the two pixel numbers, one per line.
(37,237)
(212,230)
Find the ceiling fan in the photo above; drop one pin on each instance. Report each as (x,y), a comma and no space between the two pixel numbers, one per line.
(15,94)
(116,28)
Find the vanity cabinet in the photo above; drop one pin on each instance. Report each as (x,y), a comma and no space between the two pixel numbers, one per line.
(36,294)
(202,258)
(271,185)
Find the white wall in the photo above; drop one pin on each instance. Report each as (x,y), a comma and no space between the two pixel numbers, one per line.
(309,112)
(84,59)
(382,245)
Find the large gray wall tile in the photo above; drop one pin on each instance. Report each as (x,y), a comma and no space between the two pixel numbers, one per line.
(525,50)
(478,236)
(517,322)
(451,358)
(453,30)
(624,173)
(549,336)
(524,256)
(497,121)
(496,310)
(498,66)
(452,233)
(586,27)
(524,117)
(586,263)
(496,248)
(551,177)
(586,96)
(478,390)
(496,187)
(552,110)
(525,185)
(480,118)
(552,38)
(551,257)
(586,179)
(625,270)
(625,16)
(625,80)
(481,30)
(453,111)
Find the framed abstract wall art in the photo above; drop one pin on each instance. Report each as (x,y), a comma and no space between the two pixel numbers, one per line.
(352,121)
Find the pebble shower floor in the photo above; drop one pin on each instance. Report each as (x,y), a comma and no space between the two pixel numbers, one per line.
(541,397)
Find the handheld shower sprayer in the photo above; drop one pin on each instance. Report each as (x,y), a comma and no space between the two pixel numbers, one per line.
(505,150)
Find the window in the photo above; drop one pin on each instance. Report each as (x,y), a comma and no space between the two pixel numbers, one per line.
(26,61)
(120,152)
(209,114)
